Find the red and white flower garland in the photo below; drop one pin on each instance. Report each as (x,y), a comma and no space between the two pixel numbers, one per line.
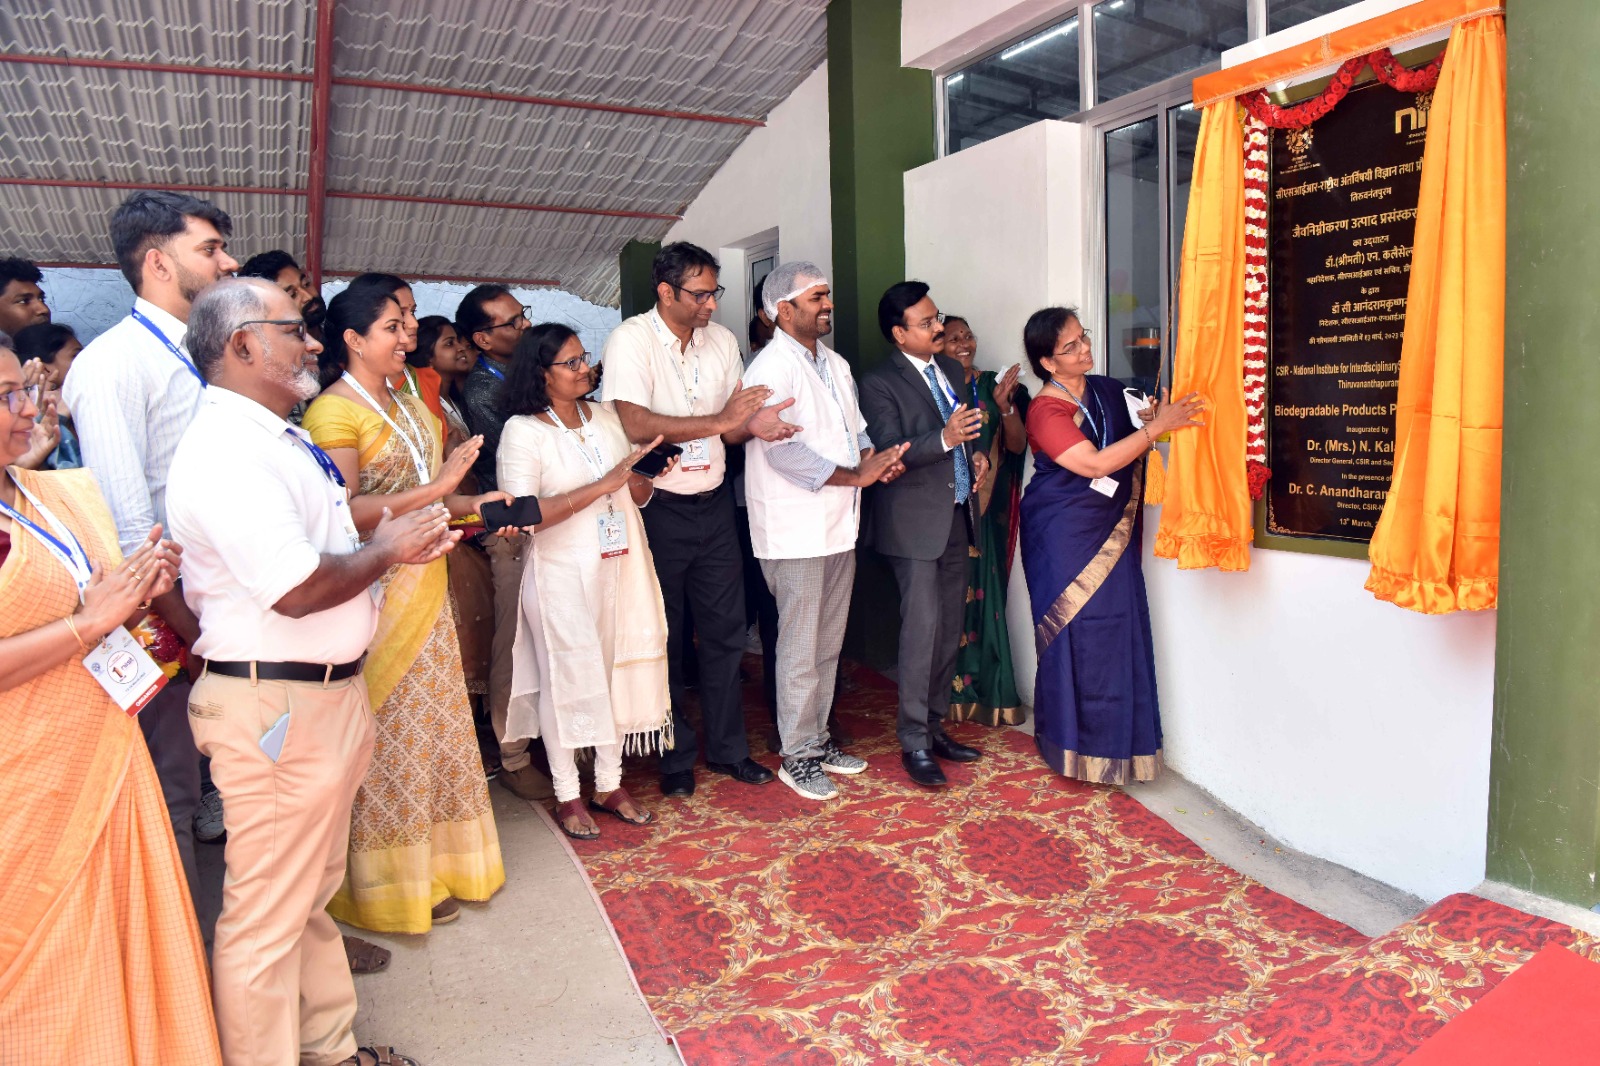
(1260,113)
(1257,156)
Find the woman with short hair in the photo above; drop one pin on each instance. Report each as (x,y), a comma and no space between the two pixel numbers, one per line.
(590,662)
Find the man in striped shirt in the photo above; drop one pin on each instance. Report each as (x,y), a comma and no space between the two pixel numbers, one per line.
(133,392)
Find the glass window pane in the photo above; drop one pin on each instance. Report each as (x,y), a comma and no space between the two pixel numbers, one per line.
(1132,344)
(1034,79)
(1281,14)
(1183,133)
(1141,42)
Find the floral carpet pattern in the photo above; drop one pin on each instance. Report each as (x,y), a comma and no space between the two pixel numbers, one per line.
(1014,917)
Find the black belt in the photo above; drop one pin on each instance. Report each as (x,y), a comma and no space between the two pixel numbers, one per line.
(706,495)
(324,673)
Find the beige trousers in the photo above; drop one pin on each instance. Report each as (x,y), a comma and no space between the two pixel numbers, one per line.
(506,555)
(280,978)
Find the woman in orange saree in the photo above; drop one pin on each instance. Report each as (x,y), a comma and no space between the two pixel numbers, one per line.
(100,957)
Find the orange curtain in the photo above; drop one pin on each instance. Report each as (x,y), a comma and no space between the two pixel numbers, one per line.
(1437,546)
(1206,518)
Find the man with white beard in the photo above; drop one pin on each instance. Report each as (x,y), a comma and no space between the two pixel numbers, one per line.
(135,392)
(281,584)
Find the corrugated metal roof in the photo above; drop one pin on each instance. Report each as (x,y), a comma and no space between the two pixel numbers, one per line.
(723,57)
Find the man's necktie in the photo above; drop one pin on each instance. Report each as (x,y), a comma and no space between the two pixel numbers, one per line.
(963,475)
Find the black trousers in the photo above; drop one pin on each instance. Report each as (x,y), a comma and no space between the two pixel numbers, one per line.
(933,607)
(761,609)
(695,542)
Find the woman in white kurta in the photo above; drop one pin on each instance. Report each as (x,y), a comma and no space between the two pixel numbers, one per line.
(590,665)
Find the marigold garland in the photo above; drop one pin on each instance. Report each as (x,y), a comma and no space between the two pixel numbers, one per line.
(1260,114)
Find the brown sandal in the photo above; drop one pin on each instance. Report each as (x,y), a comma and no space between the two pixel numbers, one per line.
(574,809)
(618,798)
(365,956)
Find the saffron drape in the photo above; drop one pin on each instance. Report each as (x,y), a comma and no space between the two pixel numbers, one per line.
(1437,546)
(1206,517)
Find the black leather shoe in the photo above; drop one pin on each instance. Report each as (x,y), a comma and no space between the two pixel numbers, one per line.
(680,783)
(949,750)
(747,770)
(922,768)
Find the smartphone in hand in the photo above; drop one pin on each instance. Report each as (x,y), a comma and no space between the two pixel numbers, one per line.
(653,463)
(520,512)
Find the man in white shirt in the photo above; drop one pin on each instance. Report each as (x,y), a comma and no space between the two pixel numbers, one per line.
(132,393)
(674,373)
(283,588)
(804,496)
(923,522)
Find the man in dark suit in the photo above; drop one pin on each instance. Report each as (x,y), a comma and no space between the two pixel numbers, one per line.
(920,522)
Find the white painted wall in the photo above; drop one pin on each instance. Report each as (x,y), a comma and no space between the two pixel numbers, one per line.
(91,301)
(1346,727)
(940,34)
(776,180)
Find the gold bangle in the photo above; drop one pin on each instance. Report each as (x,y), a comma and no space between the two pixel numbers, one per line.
(1148,438)
(75,635)
(571,510)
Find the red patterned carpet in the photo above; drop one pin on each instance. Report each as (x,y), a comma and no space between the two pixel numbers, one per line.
(1012,918)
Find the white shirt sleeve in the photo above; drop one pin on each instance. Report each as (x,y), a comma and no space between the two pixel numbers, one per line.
(520,466)
(628,374)
(108,402)
(251,521)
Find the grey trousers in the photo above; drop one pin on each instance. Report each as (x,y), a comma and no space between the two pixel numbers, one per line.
(165,725)
(933,607)
(813,605)
(506,555)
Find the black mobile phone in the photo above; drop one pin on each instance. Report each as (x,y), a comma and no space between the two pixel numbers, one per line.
(520,512)
(654,462)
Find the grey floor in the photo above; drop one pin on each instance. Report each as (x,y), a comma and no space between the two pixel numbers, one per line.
(535,975)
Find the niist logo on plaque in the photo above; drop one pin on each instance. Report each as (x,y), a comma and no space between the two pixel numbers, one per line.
(1343,210)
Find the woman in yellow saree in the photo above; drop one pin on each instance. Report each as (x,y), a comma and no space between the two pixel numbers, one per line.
(422,833)
(100,958)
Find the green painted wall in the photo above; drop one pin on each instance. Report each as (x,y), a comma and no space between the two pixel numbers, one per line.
(638,295)
(1544,813)
(880,124)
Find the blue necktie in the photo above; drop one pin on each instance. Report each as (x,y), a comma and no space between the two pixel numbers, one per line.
(963,475)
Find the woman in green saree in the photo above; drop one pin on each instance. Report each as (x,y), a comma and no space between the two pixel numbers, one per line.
(985,686)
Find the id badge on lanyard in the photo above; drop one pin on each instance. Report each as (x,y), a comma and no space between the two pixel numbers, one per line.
(613,534)
(118,663)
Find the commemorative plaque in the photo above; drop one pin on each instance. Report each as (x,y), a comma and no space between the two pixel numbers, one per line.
(1343,198)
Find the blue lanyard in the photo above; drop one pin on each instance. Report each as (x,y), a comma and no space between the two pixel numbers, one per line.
(491,368)
(138,316)
(67,549)
(974,387)
(330,469)
(1088,394)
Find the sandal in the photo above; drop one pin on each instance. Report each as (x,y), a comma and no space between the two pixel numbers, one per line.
(574,809)
(382,1055)
(612,807)
(365,956)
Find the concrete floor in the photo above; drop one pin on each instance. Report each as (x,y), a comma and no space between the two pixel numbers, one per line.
(535,975)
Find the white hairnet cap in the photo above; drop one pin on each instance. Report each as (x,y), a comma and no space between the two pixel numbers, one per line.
(787,281)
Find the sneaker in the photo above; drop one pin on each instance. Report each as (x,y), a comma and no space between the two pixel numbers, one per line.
(805,776)
(208,828)
(836,761)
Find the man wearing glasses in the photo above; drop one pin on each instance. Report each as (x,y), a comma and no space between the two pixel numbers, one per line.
(132,393)
(491,320)
(675,373)
(921,522)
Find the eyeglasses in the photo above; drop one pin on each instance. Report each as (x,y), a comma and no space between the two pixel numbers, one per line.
(29,393)
(520,322)
(579,363)
(929,323)
(299,324)
(1077,345)
(700,296)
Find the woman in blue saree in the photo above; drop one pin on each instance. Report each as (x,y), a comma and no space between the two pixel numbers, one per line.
(1095,710)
